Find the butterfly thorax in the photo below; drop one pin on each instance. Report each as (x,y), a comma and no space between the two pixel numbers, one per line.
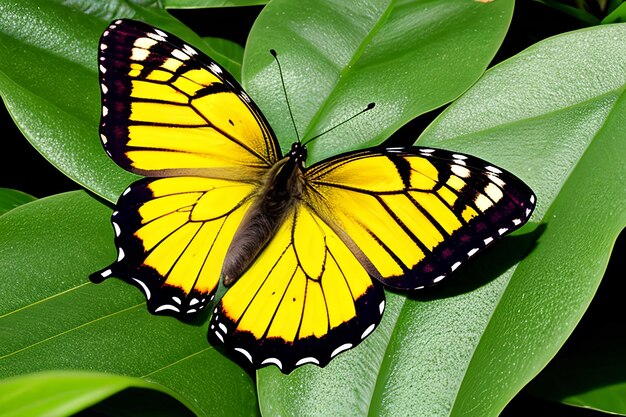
(281,189)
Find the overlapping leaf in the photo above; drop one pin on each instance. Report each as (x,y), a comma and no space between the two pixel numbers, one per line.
(195,4)
(408,57)
(49,79)
(52,317)
(9,199)
(554,115)
(64,393)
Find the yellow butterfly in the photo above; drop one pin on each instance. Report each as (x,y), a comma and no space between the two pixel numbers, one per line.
(303,249)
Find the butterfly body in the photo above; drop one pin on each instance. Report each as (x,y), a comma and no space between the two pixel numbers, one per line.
(280,190)
(304,250)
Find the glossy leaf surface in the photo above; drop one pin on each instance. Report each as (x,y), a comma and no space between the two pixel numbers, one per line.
(52,317)
(49,79)
(555,115)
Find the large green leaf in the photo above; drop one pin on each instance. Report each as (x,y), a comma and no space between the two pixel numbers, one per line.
(408,57)
(52,317)
(49,79)
(556,116)
(9,199)
(64,393)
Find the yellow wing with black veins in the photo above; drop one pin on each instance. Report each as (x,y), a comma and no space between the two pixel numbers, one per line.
(169,110)
(305,299)
(413,215)
(172,236)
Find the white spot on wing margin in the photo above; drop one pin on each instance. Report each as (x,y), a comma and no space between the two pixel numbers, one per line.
(343,347)
(274,361)
(240,350)
(146,290)
(308,359)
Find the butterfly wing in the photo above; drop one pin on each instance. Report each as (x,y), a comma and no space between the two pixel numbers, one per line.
(172,235)
(406,216)
(305,299)
(413,215)
(170,112)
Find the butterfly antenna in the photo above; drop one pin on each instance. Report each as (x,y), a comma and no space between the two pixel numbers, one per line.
(369,107)
(282,81)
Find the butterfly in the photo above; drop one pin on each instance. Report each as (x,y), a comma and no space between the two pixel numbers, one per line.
(304,250)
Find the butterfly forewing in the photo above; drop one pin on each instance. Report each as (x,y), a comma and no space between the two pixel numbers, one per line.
(168,109)
(414,215)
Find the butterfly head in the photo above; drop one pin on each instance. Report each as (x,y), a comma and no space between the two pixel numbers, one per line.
(298,154)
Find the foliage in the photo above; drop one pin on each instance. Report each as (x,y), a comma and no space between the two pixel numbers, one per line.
(553,114)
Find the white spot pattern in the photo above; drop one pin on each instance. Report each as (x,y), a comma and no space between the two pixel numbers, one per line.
(145,288)
(308,359)
(368,331)
(167,307)
(189,50)
(116,228)
(177,53)
(344,347)
(215,68)
(274,361)
(240,350)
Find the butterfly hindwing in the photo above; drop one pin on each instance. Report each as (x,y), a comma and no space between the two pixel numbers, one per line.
(304,300)
(422,212)
(168,109)
(172,236)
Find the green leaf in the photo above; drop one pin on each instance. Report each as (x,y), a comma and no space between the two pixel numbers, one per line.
(63,393)
(555,115)
(337,56)
(227,48)
(590,370)
(579,375)
(52,317)
(49,79)
(9,199)
(616,16)
(197,4)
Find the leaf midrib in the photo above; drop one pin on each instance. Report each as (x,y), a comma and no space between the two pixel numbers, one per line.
(341,76)
(47,339)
